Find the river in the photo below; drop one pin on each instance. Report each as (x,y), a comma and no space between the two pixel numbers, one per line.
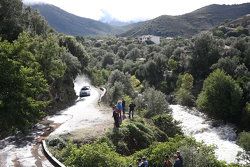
(197,125)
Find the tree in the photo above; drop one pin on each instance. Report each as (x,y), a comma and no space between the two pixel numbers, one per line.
(184,95)
(124,79)
(155,101)
(133,54)
(220,97)
(227,64)
(34,23)
(10,19)
(205,53)
(108,59)
(153,73)
(76,49)
(24,89)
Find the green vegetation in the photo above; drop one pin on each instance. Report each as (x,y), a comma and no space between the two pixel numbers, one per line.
(244,140)
(220,97)
(135,135)
(102,153)
(37,67)
(184,95)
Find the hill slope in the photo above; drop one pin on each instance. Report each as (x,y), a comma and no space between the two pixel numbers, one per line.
(190,23)
(68,23)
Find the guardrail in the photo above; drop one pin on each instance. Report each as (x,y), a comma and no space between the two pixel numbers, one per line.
(48,155)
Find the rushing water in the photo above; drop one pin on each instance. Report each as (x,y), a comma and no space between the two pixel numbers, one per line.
(197,125)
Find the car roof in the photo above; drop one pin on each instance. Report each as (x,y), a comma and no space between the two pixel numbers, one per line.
(84,87)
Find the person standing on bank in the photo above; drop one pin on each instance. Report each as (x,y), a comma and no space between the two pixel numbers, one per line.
(123,107)
(119,108)
(131,109)
(180,157)
(116,117)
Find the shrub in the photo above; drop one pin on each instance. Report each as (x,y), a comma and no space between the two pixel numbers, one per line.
(167,124)
(94,155)
(194,154)
(135,135)
(155,101)
(244,140)
(220,97)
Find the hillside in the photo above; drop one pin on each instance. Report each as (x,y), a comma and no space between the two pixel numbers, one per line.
(190,23)
(68,23)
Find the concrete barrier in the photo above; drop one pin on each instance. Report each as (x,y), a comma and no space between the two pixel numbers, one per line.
(50,157)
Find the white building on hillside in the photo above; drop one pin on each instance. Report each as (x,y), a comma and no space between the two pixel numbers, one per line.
(154,39)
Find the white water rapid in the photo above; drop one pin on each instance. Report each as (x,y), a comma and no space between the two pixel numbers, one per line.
(197,125)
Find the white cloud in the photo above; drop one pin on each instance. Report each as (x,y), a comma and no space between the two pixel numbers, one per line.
(132,9)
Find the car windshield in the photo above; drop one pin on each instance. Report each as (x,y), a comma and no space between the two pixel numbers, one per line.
(85,88)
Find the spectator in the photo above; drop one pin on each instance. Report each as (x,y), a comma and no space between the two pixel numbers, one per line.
(144,162)
(116,117)
(139,162)
(131,109)
(167,162)
(180,157)
(177,162)
(123,106)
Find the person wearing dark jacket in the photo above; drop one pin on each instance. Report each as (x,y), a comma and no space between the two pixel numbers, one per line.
(116,117)
(177,162)
(131,109)
(144,162)
(180,157)
(123,106)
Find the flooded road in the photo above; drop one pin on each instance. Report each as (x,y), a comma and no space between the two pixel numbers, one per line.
(25,151)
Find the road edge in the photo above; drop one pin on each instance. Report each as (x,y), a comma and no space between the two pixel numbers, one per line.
(47,153)
(50,157)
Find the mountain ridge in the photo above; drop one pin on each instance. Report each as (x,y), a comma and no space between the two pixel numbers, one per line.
(65,22)
(190,23)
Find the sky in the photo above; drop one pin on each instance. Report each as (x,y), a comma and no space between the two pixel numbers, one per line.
(129,10)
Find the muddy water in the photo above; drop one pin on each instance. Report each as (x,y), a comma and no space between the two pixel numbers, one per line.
(25,151)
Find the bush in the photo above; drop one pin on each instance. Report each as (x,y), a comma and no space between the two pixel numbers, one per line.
(94,155)
(194,154)
(167,124)
(57,142)
(220,97)
(244,140)
(135,135)
(156,102)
